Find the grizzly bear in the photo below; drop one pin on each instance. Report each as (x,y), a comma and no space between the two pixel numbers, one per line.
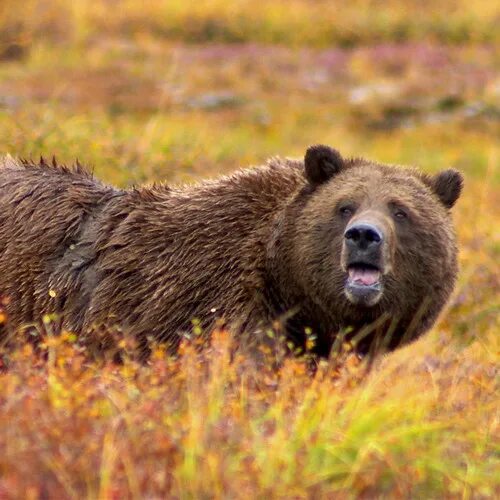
(325,246)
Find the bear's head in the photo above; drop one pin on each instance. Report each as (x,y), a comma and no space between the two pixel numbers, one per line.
(373,239)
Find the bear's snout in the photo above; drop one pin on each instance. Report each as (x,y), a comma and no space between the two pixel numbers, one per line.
(363,243)
(363,236)
(364,262)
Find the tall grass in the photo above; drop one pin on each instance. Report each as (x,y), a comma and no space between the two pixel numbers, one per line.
(422,423)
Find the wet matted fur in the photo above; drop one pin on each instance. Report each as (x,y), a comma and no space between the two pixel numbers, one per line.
(261,245)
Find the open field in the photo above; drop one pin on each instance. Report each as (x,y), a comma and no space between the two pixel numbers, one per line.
(156,90)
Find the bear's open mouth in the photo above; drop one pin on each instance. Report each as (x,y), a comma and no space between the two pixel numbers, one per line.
(363,286)
(363,274)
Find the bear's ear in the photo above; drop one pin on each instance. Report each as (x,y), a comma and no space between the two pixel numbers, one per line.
(448,186)
(322,163)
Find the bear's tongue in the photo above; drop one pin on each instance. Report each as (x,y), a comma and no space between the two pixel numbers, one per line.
(364,276)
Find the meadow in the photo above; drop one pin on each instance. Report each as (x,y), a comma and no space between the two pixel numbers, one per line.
(143,91)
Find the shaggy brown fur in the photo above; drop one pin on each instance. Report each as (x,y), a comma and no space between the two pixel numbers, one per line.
(253,247)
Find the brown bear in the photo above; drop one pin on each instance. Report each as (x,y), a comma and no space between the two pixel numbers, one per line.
(325,245)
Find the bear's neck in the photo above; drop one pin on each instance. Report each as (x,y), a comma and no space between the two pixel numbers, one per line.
(285,301)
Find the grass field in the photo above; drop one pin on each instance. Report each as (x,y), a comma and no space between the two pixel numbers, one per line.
(153,90)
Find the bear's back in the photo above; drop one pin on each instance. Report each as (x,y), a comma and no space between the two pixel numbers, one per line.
(43,210)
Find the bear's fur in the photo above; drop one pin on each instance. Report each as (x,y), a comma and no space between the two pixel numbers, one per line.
(259,247)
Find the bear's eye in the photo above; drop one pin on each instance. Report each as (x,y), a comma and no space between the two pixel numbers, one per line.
(400,214)
(346,211)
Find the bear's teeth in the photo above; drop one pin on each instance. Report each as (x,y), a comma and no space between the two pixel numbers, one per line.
(364,276)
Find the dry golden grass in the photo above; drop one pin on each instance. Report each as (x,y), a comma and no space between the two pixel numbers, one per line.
(422,423)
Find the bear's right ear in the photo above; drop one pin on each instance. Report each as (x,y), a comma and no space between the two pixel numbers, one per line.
(321,163)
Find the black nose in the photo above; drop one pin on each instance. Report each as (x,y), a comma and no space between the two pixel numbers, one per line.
(363,236)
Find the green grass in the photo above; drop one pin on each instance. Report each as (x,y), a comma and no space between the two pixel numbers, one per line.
(140,95)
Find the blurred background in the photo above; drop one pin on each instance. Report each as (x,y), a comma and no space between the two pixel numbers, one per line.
(175,90)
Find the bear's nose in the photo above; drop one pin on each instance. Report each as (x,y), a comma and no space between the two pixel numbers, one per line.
(363,236)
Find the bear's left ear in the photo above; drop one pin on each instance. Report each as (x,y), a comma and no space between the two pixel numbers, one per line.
(322,163)
(448,186)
